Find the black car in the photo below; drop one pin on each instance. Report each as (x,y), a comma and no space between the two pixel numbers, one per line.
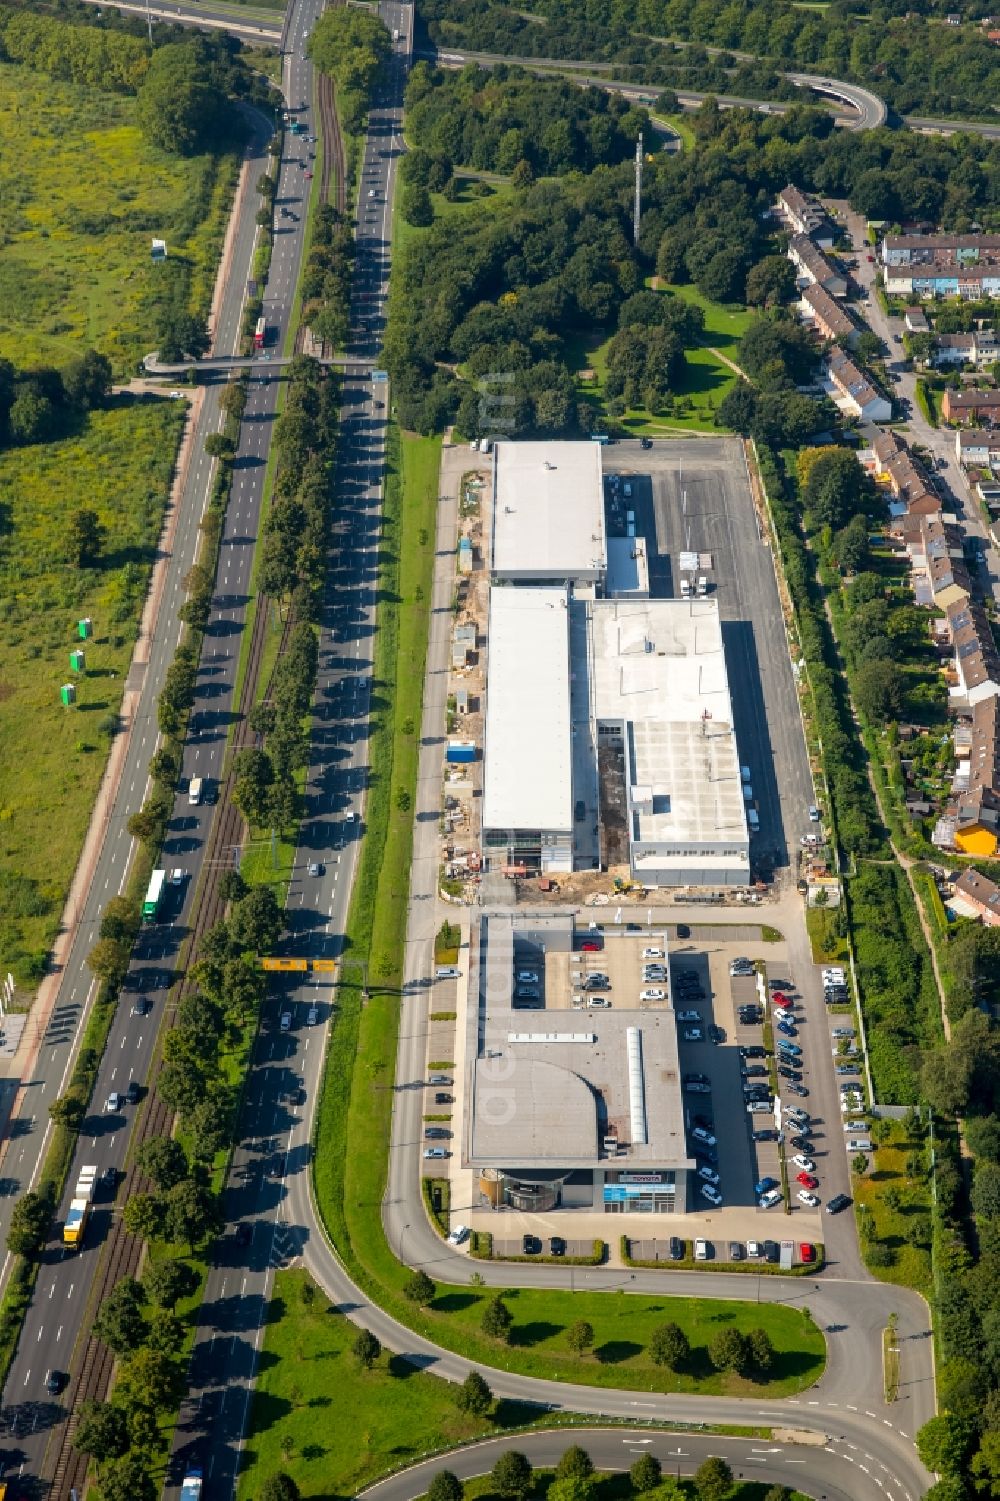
(633,927)
(772,1251)
(244,1233)
(557,1246)
(706,1153)
(755,1071)
(837,1203)
(645,442)
(530,1245)
(54,1382)
(134,1092)
(802,1143)
(442,1099)
(755,1052)
(737,1250)
(750,1015)
(676,1249)
(716,1034)
(140,1006)
(767,1134)
(790,1073)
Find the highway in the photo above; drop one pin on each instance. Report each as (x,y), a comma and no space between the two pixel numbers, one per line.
(275,1133)
(59,1312)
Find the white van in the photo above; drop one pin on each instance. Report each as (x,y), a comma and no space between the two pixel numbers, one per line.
(447,972)
(195,791)
(627,490)
(858,1144)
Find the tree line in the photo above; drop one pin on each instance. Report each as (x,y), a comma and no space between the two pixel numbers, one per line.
(351,46)
(513,1478)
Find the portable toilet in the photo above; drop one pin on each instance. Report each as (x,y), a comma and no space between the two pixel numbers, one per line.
(67,694)
(85,628)
(78,661)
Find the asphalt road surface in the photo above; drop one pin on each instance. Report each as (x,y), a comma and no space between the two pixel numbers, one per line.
(59,1308)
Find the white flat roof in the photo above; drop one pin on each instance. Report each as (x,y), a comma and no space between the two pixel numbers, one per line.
(659,666)
(528,781)
(548,513)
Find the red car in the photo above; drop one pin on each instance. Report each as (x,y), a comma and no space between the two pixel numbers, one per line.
(807,1253)
(783,1001)
(807,1180)
(588,946)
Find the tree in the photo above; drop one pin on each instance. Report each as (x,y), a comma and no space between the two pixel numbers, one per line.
(166,1282)
(523,175)
(943,1443)
(645,1474)
(986,1191)
(713,1479)
(119,1323)
(279,1487)
(218,446)
(738,408)
(257,921)
(580,1336)
(761,1350)
(128,1479)
(102,1431)
(366,1348)
(778,1493)
(232,886)
(851,545)
(575,1464)
(445,1486)
(179,108)
(193,1213)
(164,1160)
(497,1320)
(834,489)
(29,1224)
(771,280)
(729,1350)
(120,920)
(573,1488)
(669,1346)
(474,1396)
(419,1289)
(166,1332)
(68,1110)
(415,205)
(879,692)
(985,1466)
(88,380)
(151,1380)
(511,1476)
(145,1215)
(84,537)
(32,416)
(108,960)
(949,1488)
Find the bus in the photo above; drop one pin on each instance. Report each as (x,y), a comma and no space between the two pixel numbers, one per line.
(151,905)
(260,333)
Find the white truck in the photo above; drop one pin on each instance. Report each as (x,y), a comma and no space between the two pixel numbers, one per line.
(191,1486)
(195,790)
(79,1209)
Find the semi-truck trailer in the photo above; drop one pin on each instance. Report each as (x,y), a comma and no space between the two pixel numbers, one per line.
(79,1209)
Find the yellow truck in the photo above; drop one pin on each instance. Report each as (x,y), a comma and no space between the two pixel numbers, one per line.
(79,1211)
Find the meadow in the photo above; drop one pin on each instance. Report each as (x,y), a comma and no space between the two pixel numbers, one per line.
(82,195)
(119,464)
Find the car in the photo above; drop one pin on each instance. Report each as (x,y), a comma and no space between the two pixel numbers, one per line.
(805,1163)
(177,876)
(689,1016)
(244,1233)
(798,1114)
(458,1235)
(599,1003)
(307,176)
(286,1021)
(527,977)
(833,972)
(786,1029)
(781,999)
(590,946)
(652,953)
(794,1075)
(645,442)
(597,981)
(350,816)
(801,1143)
(530,1245)
(134,1092)
(316,868)
(764,1186)
(656,972)
(435,1153)
(701,1250)
(805,1197)
(842,1032)
(855,1128)
(740,967)
(766,1133)
(693,1034)
(755,1091)
(371,192)
(697,1086)
(758,1107)
(851,1086)
(807,1180)
(755,1071)
(753,1052)
(437,1133)
(814,814)
(54,1382)
(140,1006)
(798,1090)
(699,1133)
(113,1103)
(838,1203)
(440,1079)
(652,995)
(807,1253)
(711,1194)
(790,1047)
(715,1033)
(633,927)
(736,1250)
(557,1246)
(709,1174)
(749,1016)
(675,1248)
(768,1200)
(755,1250)
(312,1015)
(847,1068)
(443,1099)
(526,993)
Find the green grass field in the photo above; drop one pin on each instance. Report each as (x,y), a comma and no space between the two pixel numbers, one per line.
(119,464)
(898,1200)
(81,197)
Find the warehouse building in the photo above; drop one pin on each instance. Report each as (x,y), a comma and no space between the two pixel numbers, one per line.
(568,1107)
(548,514)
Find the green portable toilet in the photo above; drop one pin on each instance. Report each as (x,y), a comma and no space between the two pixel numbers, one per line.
(68,695)
(78,661)
(84,628)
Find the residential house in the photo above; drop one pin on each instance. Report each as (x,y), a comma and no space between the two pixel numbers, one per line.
(981,347)
(978,446)
(812,267)
(854,392)
(976,660)
(828,317)
(971,406)
(943,278)
(977,814)
(939,575)
(961,249)
(976,896)
(805,216)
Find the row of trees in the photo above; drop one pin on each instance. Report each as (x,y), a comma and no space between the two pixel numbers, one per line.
(326,277)
(575,1479)
(351,47)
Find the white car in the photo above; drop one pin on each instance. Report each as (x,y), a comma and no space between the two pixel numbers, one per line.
(599,1003)
(768,1200)
(711,1194)
(803,1163)
(350,817)
(652,995)
(286,1021)
(701,1250)
(700,1134)
(709,1174)
(458,1235)
(527,977)
(176,876)
(805,1197)
(834,976)
(652,953)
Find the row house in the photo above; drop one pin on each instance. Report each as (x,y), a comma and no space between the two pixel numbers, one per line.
(980,347)
(978,447)
(812,267)
(962,249)
(975,818)
(976,660)
(971,406)
(977,896)
(829,319)
(805,215)
(853,392)
(935,280)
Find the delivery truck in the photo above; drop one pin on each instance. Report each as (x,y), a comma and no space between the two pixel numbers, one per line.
(79,1209)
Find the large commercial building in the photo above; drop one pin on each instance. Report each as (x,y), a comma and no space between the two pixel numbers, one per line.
(548,514)
(569,1106)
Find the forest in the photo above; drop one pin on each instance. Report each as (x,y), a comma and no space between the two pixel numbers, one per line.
(905,53)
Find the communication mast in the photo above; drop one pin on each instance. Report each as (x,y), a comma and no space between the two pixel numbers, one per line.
(638,189)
